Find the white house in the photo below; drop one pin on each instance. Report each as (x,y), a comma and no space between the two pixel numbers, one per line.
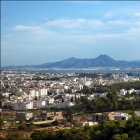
(131,91)
(122,92)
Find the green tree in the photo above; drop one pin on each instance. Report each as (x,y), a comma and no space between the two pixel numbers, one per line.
(84,99)
(1,121)
(69,114)
(22,127)
(39,135)
(127,95)
(32,127)
(14,135)
(120,137)
(56,123)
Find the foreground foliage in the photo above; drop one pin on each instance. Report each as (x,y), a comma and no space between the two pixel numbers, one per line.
(107,130)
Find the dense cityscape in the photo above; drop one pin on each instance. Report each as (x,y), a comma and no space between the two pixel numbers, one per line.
(57,101)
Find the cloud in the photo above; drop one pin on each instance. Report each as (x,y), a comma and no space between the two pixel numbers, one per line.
(94,23)
(41,42)
(137,14)
(138,23)
(75,23)
(47,19)
(26,28)
(134,32)
(108,15)
(118,22)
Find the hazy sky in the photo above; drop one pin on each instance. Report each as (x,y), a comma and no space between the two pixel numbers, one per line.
(34,32)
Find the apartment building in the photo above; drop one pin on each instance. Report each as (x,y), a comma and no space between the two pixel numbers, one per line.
(22,105)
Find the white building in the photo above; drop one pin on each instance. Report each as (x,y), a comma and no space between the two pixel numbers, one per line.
(137,91)
(42,92)
(122,92)
(137,113)
(36,93)
(41,104)
(131,91)
(49,100)
(61,105)
(78,87)
(33,93)
(121,116)
(22,105)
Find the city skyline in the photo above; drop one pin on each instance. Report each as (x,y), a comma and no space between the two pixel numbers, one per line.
(34,32)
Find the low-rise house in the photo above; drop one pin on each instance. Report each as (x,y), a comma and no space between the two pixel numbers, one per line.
(61,105)
(100,94)
(85,123)
(137,113)
(6,104)
(22,116)
(53,115)
(121,116)
(122,92)
(137,91)
(131,91)
(98,117)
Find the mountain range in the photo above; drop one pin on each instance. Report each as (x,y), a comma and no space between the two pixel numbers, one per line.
(100,61)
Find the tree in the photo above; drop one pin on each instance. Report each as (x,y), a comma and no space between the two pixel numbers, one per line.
(86,90)
(78,100)
(116,137)
(39,135)
(69,114)
(120,137)
(68,91)
(136,137)
(55,123)
(14,135)
(22,127)
(133,94)
(84,99)
(72,99)
(35,98)
(82,136)
(127,95)
(32,127)
(49,118)
(62,100)
(75,97)
(1,121)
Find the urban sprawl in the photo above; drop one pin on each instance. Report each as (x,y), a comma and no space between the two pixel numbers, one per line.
(45,97)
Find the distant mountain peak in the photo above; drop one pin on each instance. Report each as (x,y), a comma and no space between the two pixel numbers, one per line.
(104,57)
(102,60)
(72,58)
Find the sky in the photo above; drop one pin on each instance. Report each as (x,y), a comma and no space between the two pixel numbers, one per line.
(36,32)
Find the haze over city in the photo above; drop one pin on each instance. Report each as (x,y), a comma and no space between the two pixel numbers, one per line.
(34,32)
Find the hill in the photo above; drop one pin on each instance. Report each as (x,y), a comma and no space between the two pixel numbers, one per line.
(100,61)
